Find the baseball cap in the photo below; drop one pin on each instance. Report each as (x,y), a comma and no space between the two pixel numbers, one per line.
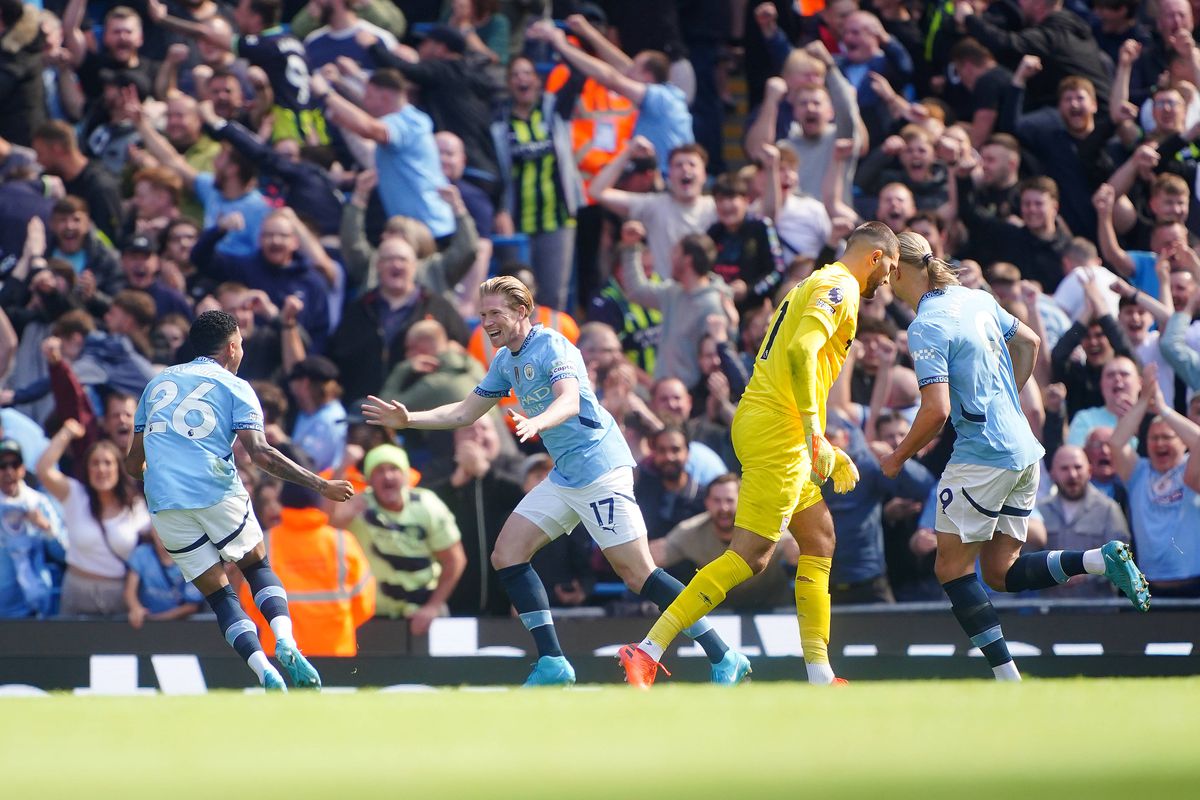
(140,244)
(444,34)
(318,368)
(10,446)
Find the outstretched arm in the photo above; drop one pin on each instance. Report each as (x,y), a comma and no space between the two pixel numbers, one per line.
(344,114)
(391,414)
(270,460)
(217,37)
(606,75)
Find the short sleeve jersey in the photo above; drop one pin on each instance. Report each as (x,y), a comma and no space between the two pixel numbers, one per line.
(1166,517)
(584,447)
(281,56)
(189,415)
(664,119)
(958,337)
(410,171)
(829,295)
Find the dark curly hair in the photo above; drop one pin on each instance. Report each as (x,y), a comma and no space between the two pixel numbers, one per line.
(211,331)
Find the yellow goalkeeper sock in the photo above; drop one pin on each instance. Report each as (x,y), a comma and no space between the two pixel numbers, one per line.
(705,592)
(812,607)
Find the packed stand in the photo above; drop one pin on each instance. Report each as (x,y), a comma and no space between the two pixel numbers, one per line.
(341,176)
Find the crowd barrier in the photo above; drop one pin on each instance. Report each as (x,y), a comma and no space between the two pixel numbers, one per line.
(869,643)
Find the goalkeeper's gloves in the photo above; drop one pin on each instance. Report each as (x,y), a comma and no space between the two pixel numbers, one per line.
(820,451)
(845,473)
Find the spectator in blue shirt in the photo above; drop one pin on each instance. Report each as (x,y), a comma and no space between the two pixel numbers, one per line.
(1164,491)
(154,586)
(859,574)
(29,528)
(406,155)
(663,115)
(320,428)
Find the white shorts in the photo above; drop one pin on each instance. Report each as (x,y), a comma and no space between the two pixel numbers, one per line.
(198,538)
(976,501)
(606,508)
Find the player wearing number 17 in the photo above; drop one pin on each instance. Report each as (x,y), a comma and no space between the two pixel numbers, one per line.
(972,358)
(592,479)
(184,428)
(779,437)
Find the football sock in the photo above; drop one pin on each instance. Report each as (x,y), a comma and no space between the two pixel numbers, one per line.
(812,609)
(1046,568)
(270,598)
(704,593)
(528,596)
(662,589)
(237,628)
(977,616)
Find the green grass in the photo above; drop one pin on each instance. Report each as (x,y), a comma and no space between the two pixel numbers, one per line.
(1129,738)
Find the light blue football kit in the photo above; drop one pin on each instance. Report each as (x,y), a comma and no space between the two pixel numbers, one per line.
(189,416)
(583,448)
(990,483)
(592,479)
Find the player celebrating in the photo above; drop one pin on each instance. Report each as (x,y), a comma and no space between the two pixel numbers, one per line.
(592,479)
(779,437)
(972,357)
(184,429)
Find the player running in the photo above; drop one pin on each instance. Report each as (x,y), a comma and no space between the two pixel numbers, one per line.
(184,429)
(972,357)
(779,437)
(592,479)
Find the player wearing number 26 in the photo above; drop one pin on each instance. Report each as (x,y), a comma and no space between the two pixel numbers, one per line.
(972,359)
(779,437)
(184,429)
(592,479)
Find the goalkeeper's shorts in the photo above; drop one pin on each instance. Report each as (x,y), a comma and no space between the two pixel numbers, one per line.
(775,469)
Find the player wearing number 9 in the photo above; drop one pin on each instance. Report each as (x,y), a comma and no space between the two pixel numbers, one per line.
(779,437)
(972,358)
(184,430)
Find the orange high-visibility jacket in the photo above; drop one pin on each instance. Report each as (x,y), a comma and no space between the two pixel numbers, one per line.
(330,589)
(601,124)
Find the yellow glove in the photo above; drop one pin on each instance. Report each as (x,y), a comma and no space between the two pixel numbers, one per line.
(845,473)
(820,451)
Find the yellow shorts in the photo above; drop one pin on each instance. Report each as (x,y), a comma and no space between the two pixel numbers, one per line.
(775,470)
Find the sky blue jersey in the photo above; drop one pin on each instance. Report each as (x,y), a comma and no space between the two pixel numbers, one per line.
(189,415)
(583,448)
(958,337)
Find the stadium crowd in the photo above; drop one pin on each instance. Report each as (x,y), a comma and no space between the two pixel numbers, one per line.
(340,175)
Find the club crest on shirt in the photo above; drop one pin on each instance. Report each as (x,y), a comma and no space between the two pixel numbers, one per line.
(528,370)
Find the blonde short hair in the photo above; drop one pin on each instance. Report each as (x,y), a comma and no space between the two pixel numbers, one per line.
(515,293)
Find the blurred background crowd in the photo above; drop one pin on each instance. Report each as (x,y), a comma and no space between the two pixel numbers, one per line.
(341,174)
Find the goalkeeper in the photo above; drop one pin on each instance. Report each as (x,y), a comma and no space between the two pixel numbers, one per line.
(779,437)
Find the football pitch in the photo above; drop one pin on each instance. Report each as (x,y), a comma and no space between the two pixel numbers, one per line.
(1126,738)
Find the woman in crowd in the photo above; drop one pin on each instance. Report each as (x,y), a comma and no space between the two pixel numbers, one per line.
(104,517)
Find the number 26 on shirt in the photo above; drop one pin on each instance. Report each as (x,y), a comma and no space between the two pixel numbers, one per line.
(192,418)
